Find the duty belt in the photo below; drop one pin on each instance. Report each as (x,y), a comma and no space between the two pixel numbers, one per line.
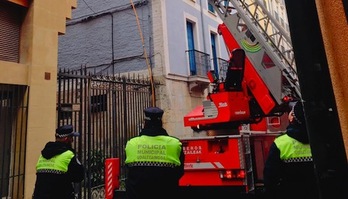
(300,159)
(50,171)
(151,164)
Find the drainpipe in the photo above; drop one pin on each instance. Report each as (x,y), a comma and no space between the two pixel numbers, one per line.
(203,27)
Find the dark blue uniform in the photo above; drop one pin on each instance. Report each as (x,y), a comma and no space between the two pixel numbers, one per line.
(58,168)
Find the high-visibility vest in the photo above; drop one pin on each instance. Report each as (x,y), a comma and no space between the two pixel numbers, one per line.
(57,164)
(292,150)
(163,151)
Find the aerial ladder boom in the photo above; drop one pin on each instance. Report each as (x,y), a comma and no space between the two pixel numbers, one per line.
(267,44)
(269,79)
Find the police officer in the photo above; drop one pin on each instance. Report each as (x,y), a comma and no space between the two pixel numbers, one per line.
(289,169)
(154,160)
(58,167)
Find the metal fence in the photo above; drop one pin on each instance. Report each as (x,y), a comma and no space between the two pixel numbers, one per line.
(13,128)
(107,111)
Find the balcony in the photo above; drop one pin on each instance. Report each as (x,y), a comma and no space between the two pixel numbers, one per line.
(200,64)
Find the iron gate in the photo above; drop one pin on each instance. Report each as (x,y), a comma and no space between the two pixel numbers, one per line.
(13,134)
(107,111)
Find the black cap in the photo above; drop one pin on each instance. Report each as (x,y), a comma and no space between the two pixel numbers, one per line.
(298,112)
(65,131)
(153,113)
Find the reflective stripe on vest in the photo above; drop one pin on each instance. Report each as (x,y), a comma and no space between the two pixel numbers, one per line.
(57,164)
(163,151)
(292,150)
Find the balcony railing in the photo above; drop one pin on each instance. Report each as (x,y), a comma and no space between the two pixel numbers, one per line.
(222,65)
(199,63)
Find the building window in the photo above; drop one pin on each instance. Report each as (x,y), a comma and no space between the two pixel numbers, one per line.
(214,53)
(11,18)
(191,47)
(211,8)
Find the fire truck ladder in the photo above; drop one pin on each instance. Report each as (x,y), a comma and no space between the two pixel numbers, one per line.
(265,29)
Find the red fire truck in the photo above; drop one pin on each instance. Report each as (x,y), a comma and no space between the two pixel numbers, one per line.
(247,104)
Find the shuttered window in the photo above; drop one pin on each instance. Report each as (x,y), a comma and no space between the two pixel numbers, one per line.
(11,16)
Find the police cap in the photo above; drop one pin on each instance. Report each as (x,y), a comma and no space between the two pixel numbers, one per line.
(65,131)
(153,113)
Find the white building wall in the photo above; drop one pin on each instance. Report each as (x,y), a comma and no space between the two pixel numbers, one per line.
(175,96)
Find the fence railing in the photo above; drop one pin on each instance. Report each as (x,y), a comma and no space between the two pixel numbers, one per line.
(107,111)
(13,134)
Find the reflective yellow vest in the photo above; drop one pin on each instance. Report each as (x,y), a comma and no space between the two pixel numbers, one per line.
(161,151)
(57,164)
(292,150)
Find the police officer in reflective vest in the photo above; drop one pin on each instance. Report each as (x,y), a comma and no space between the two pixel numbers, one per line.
(154,160)
(289,169)
(58,168)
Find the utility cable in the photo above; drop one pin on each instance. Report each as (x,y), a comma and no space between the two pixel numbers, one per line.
(88,6)
(146,57)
